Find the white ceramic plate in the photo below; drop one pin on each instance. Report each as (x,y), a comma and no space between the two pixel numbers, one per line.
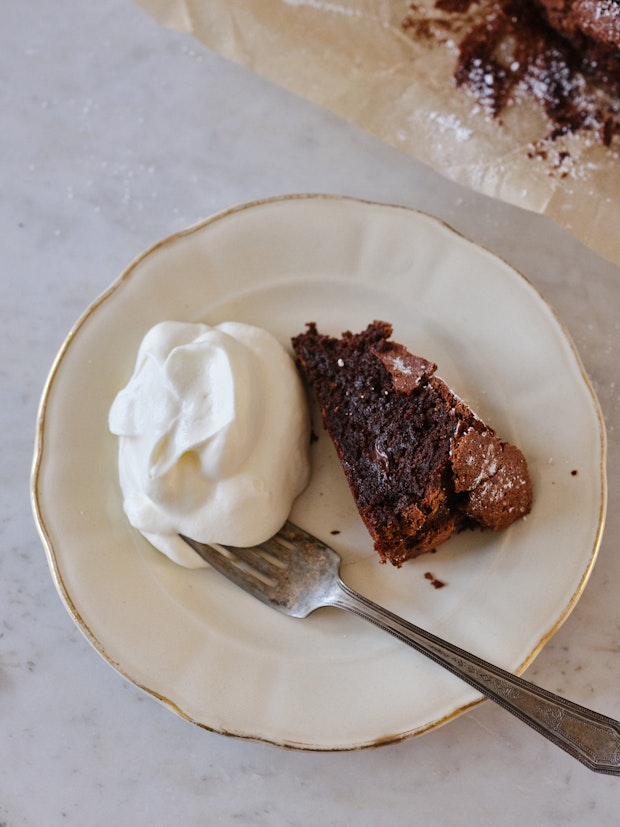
(210,652)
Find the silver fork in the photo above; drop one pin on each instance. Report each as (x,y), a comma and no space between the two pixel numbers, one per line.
(296,573)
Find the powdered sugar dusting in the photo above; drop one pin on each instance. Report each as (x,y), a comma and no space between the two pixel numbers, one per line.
(509,55)
(450,123)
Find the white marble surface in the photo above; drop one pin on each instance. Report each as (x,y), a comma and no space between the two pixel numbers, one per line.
(115,133)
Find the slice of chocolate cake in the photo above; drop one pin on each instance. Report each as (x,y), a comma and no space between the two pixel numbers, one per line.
(419,462)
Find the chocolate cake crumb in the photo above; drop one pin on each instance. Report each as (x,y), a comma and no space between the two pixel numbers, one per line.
(438,584)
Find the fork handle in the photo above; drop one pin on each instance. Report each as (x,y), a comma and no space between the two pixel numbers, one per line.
(588,736)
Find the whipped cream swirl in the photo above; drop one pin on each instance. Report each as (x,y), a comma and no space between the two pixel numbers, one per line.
(214,436)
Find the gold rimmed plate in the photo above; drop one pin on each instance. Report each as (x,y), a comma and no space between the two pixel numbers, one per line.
(330,682)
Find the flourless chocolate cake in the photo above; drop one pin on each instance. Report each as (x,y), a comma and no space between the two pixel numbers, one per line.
(564,55)
(419,462)
(597,21)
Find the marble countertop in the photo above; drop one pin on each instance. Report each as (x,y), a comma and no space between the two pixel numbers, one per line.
(116,133)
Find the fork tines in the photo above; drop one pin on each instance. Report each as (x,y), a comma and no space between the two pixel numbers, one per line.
(253,567)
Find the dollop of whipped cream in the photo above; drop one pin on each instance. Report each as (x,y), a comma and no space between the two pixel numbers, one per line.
(214,436)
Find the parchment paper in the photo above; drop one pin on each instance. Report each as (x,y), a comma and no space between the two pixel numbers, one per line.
(354,58)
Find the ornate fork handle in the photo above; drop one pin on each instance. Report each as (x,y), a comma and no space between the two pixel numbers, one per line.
(592,738)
